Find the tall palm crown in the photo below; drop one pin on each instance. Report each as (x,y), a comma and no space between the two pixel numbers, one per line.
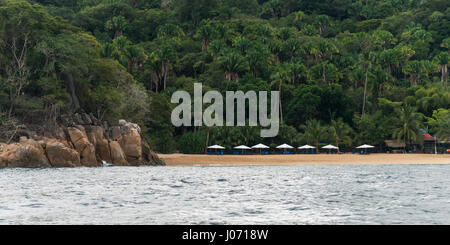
(233,64)
(340,131)
(409,124)
(314,132)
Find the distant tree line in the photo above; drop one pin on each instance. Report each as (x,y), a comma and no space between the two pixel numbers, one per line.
(349,72)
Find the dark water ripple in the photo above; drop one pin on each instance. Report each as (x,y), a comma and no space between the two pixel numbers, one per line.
(307,194)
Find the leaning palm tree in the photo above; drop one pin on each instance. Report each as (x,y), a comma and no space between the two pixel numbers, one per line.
(410,122)
(314,132)
(340,131)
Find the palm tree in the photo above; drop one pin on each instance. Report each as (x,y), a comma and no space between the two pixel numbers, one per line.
(108,50)
(205,33)
(166,54)
(134,56)
(121,43)
(153,65)
(117,24)
(322,22)
(364,59)
(413,69)
(170,31)
(380,80)
(297,70)
(340,131)
(314,132)
(242,44)
(409,125)
(283,75)
(441,123)
(233,64)
(443,60)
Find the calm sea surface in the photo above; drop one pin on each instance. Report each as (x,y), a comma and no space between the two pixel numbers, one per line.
(306,194)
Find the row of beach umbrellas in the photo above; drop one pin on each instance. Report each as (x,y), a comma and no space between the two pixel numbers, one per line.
(285,146)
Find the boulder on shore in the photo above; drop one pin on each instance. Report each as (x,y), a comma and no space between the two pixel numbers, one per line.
(118,157)
(26,153)
(79,139)
(101,144)
(60,155)
(130,142)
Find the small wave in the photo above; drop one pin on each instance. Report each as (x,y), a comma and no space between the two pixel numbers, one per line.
(253,211)
(175,186)
(33,205)
(298,208)
(233,214)
(234,191)
(185,181)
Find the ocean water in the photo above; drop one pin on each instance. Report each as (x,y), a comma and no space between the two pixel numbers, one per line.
(305,194)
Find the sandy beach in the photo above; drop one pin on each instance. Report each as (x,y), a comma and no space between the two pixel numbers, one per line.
(189,160)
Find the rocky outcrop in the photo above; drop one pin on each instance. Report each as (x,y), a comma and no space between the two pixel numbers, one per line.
(81,140)
(26,153)
(133,148)
(61,155)
(84,147)
(117,155)
(97,138)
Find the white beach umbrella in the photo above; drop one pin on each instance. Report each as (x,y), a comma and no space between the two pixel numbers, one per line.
(242,147)
(260,146)
(285,146)
(365,146)
(330,147)
(217,147)
(307,147)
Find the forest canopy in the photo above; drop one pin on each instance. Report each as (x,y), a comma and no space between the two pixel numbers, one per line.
(349,72)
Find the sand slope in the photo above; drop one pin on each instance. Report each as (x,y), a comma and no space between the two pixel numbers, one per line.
(186,160)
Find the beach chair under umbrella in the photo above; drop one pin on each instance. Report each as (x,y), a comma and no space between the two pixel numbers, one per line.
(330,147)
(260,147)
(285,147)
(216,147)
(242,147)
(306,147)
(365,147)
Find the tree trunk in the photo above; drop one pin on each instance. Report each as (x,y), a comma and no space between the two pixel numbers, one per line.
(444,73)
(323,73)
(207,141)
(165,72)
(281,107)
(365,90)
(404,140)
(70,86)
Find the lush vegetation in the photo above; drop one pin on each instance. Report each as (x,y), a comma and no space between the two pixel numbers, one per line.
(349,71)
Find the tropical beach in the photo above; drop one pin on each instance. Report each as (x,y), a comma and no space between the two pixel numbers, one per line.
(298,159)
(218,112)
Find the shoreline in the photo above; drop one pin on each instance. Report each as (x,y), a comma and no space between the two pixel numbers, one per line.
(302,159)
